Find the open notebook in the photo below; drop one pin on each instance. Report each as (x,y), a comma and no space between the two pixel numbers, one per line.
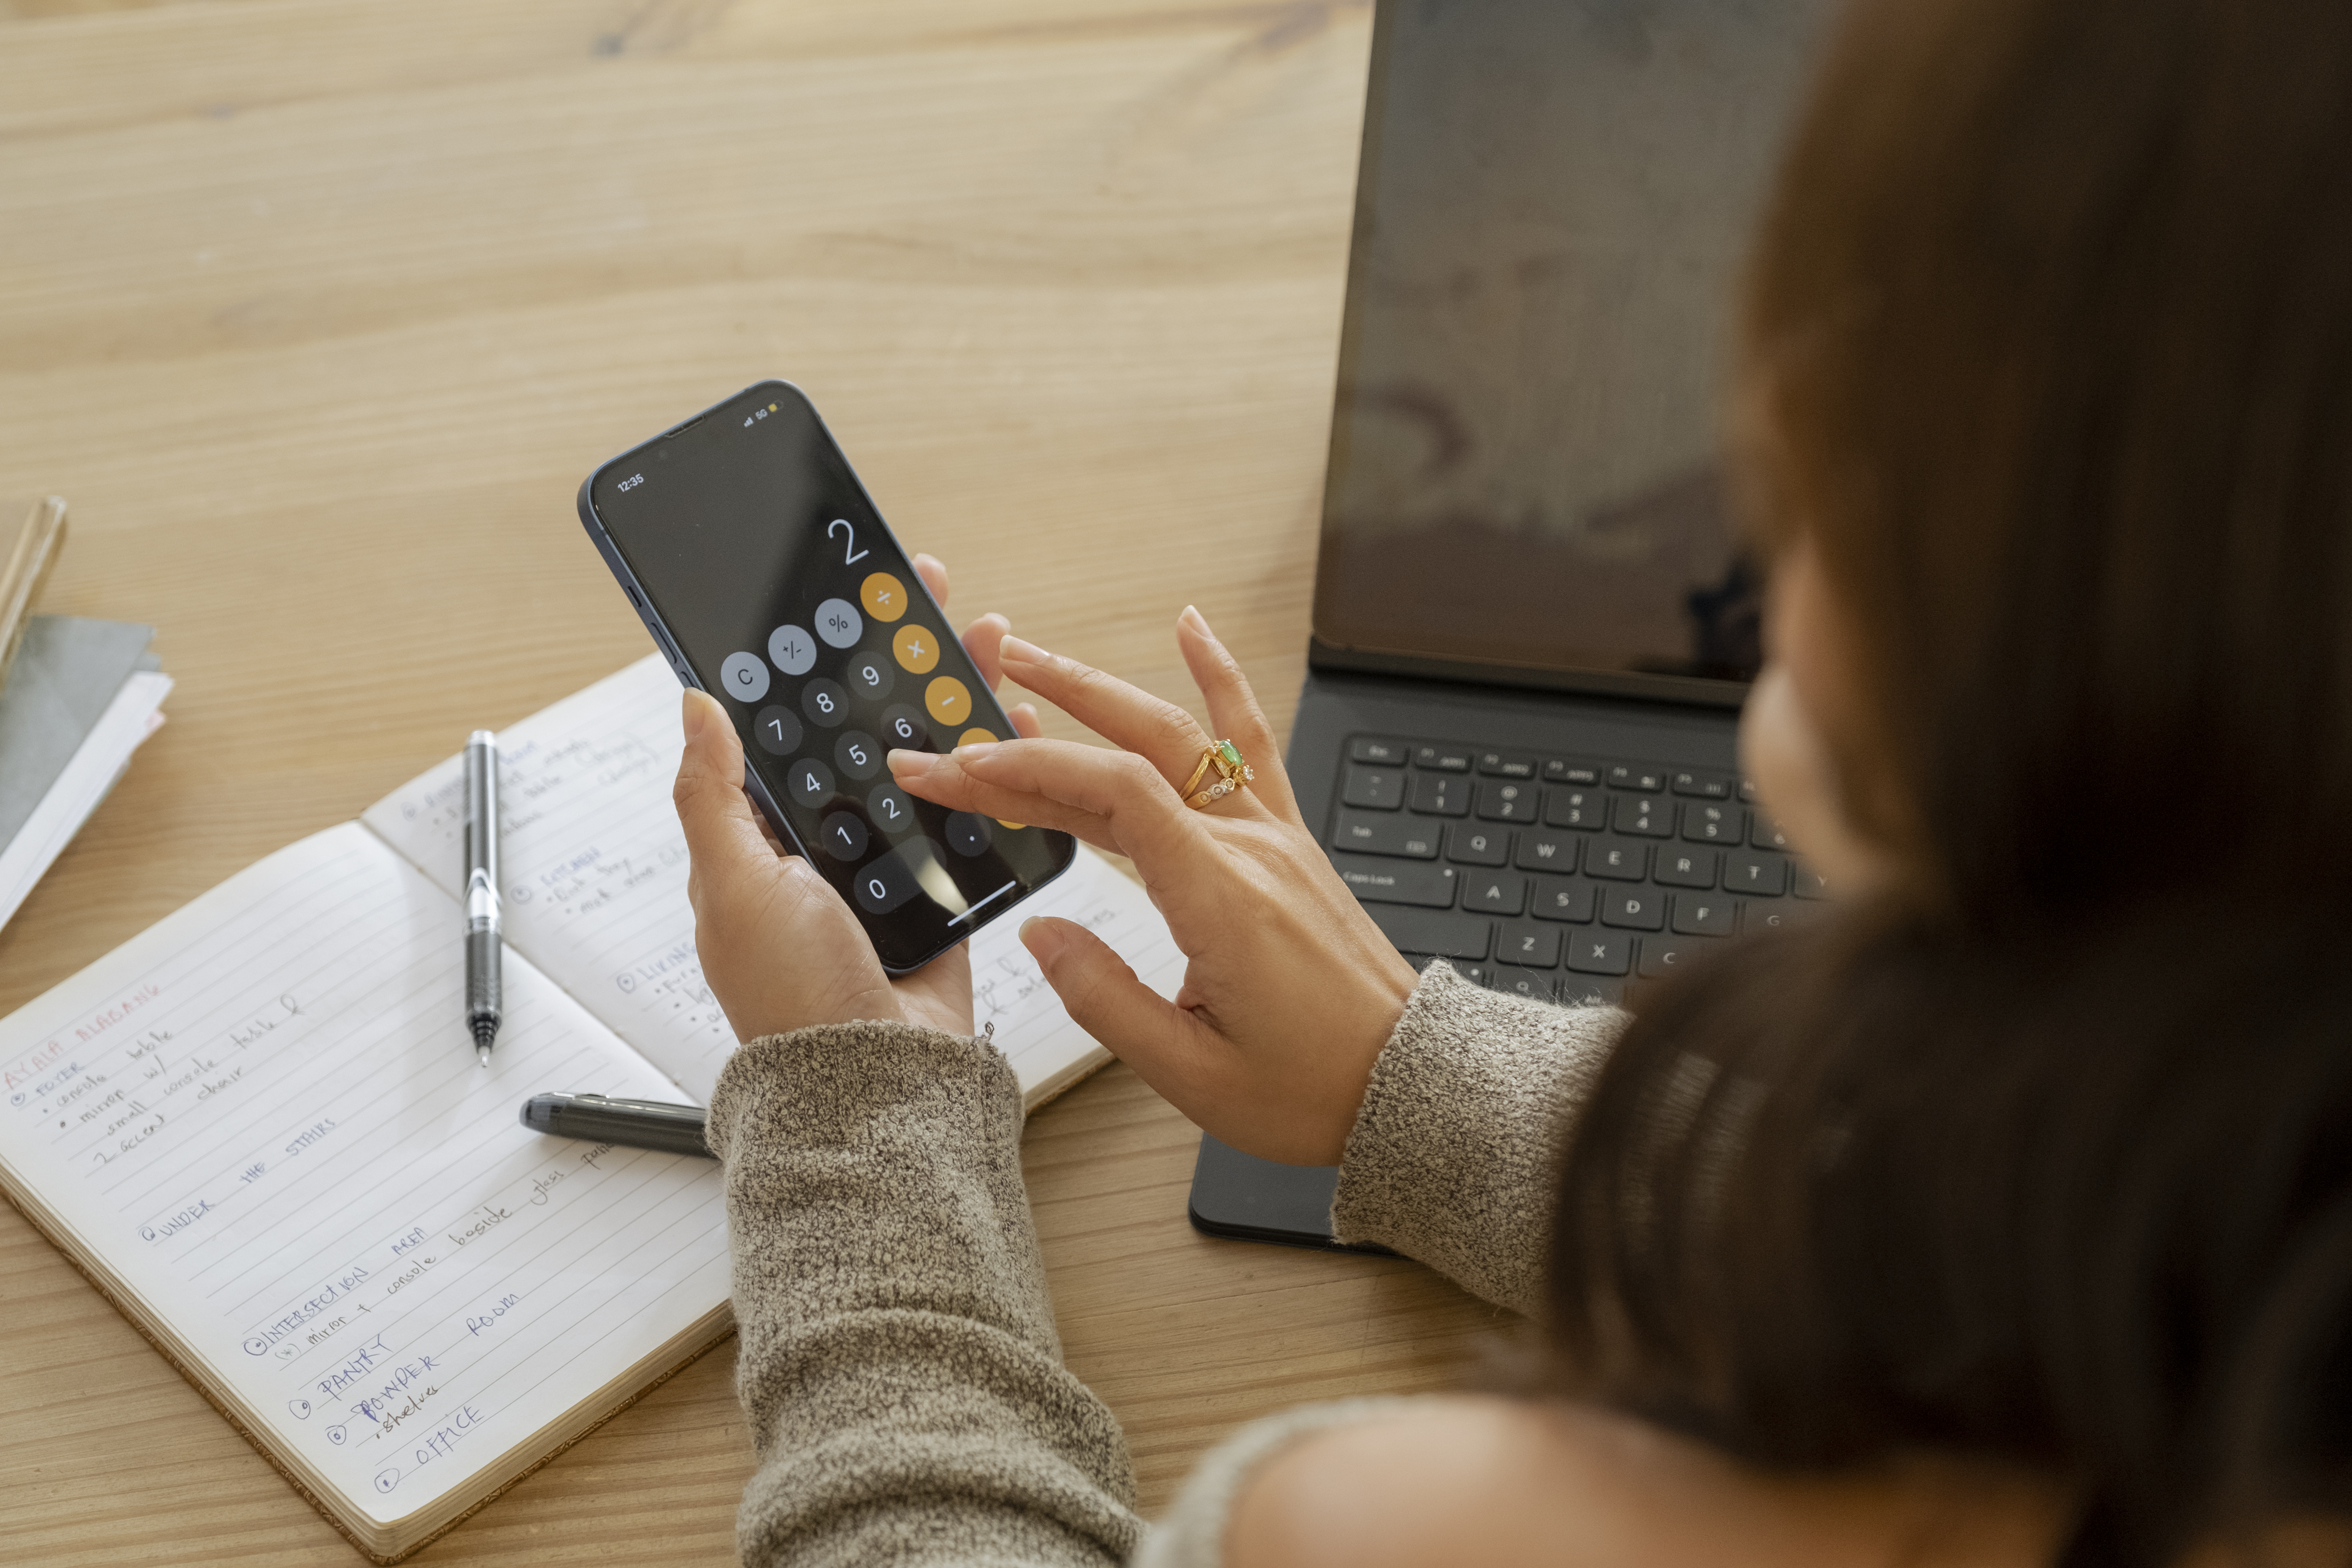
(260,1128)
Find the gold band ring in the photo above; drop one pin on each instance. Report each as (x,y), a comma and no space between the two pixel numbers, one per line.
(1232,771)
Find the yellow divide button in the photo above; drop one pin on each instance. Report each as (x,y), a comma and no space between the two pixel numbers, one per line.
(917,648)
(947,700)
(884,596)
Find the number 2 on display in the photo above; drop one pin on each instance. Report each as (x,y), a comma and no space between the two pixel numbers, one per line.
(853,556)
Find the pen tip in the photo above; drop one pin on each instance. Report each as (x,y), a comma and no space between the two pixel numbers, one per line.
(483,1052)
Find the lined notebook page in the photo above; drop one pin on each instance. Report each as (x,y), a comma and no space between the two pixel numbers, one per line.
(595,866)
(265,1118)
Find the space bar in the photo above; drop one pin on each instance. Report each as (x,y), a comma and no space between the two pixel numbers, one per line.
(1426,930)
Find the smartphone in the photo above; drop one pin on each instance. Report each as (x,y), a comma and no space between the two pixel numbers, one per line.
(767,577)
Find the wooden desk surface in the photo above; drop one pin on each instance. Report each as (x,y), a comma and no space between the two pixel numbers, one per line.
(318,309)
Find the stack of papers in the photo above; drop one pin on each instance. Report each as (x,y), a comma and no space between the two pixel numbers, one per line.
(80,697)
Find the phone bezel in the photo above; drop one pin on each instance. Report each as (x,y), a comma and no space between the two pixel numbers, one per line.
(643,603)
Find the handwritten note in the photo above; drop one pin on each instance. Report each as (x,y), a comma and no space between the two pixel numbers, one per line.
(595,868)
(264,1113)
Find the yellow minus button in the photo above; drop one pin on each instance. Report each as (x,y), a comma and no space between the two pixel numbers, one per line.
(949,700)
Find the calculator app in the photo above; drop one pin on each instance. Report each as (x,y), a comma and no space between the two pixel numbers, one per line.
(786,597)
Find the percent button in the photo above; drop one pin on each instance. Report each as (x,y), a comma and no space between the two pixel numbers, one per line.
(838,623)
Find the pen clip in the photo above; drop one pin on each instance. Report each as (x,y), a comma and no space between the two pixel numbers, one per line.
(638,1104)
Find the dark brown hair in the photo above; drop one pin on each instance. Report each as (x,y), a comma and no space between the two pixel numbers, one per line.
(2046,1153)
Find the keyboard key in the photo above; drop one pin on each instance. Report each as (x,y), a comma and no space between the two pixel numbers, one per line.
(1561,899)
(1681,867)
(1507,765)
(1636,908)
(1502,800)
(1385,836)
(1577,992)
(1572,770)
(1773,914)
(1748,791)
(1528,946)
(1534,985)
(1810,882)
(1696,916)
(1427,931)
(1707,787)
(1601,952)
(1439,794)
(1374,748)
(1705,823)
(1379,789)
(1635,777)
(1475,974)
(1650,816)
(1765,834)
(1396,882)
(1745,871)
(1575,809)
(1469,845)
(1619,860)
(1662,954)
(1443,759)
(1544,850)
(1494,892)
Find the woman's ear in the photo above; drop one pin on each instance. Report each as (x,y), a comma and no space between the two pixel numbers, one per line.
(1782,746)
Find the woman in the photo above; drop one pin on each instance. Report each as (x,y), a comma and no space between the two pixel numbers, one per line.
(2003,1218)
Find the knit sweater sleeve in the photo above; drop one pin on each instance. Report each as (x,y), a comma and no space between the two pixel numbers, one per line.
(899,1364)
(1455,1154)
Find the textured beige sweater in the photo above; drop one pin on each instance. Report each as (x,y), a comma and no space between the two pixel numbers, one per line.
(898,1362)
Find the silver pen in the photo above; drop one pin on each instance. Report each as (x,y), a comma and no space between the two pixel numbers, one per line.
(482,934)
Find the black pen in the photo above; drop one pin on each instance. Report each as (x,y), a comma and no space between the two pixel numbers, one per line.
(639,1123)
(483,936)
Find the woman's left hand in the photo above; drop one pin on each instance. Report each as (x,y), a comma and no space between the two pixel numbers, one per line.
(779,947)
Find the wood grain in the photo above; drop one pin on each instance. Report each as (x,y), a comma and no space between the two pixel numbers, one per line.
(317,310)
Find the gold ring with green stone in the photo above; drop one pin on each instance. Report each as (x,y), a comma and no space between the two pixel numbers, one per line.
(1231,773)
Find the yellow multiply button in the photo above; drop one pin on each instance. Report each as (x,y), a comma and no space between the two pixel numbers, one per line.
(917,648)
(948,702)
(884,596)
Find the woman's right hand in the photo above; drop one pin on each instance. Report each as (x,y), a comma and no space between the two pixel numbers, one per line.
(1291,990)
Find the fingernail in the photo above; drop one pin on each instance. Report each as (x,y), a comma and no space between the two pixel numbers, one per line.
(1042,938)
(974,752)
(1027,653)
(1199,623)
(692,715)
(907,765)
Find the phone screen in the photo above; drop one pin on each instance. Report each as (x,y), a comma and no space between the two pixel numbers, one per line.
(756,550)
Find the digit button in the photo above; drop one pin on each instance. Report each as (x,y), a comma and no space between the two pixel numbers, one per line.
(777,730)
(825,702)
(859,754)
